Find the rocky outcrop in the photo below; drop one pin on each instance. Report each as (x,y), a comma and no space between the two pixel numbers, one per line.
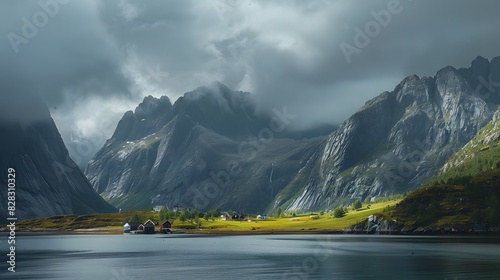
(377,225)
(381,225)
(400,138)
(48,182)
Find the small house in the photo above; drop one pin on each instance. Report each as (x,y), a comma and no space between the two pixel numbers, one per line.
(166,226)
(149,227)
(261,217)
(130,226)
(236,216)
(226,216)
(126,228)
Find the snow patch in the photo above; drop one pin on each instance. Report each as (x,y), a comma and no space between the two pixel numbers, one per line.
(130,146)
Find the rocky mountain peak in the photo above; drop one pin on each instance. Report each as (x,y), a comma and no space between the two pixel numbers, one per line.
(480,66)
(220,97)
(151,105)
(450,81)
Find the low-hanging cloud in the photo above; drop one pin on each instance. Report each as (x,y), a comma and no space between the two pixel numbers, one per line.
(93,60)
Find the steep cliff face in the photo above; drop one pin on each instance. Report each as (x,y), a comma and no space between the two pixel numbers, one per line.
(400,138)
(481,154)
(209,150)
(48,182)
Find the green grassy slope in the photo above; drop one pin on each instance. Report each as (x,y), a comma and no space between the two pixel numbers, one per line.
(474,200)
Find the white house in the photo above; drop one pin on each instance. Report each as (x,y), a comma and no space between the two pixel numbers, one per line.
(126,228)
(261,217)
(158,208)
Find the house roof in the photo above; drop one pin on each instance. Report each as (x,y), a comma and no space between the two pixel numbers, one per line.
(149,223)
(133,224)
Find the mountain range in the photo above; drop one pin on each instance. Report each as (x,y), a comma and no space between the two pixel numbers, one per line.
(211,149)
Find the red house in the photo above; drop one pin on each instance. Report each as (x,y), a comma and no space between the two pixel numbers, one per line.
(149,227)
(166,226)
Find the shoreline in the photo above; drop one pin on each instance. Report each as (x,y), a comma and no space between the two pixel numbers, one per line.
(316,231)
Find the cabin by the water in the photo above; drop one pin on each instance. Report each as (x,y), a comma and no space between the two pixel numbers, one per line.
(148,227)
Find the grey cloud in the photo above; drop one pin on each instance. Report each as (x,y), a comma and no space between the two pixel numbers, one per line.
(101,53)
(68,57)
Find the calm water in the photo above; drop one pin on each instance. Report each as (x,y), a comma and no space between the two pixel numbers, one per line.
(124,257)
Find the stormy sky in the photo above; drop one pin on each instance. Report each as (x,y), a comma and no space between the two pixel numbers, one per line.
(90,61)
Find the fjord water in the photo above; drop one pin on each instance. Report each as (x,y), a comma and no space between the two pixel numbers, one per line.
(124,257)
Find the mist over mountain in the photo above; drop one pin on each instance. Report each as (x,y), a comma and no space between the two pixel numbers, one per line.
(48,182)
(183,153)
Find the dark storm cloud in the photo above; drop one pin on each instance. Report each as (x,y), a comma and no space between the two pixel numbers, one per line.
(68,55)
(96,59)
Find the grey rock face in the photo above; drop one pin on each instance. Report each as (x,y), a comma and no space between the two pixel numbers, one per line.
(209,150)
(48,182)
(400,138)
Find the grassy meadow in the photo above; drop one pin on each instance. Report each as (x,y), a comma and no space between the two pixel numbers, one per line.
(113,222)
